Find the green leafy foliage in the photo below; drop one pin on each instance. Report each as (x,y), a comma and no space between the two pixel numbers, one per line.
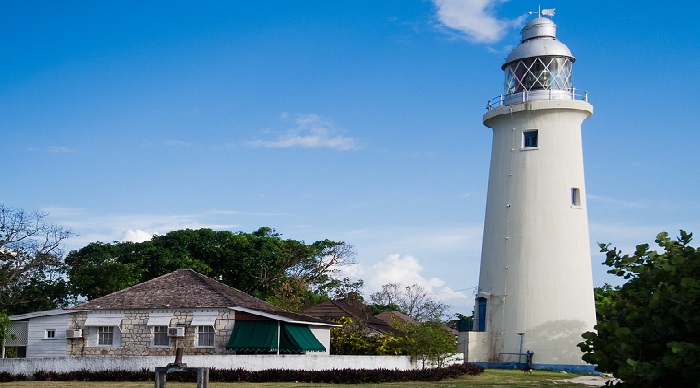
(4,324)
(286,272)
(648,333)
(428,342)
(353,338)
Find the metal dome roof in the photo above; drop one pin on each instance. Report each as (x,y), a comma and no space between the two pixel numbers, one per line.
(539,39)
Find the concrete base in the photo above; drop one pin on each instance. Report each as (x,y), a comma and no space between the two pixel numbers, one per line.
(578,369)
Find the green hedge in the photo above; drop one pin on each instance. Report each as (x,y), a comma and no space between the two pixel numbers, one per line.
(335,376)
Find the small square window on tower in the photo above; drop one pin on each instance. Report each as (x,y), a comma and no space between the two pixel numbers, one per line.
(575,197)
(530,139)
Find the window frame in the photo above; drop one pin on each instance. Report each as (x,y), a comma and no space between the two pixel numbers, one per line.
(575,197)
(50,334)
(202,334)
(155,334)
(481,313)
(104,333)
(527,139)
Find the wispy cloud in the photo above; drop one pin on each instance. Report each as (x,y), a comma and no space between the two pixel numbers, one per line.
(475,19)
(177,143)
(309,131)
(91,227)
(52,149)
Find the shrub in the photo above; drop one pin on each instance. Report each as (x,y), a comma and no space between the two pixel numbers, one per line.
(334,376)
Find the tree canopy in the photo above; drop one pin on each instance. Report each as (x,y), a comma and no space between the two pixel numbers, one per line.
(413,301)
(648,333)
(30,262)
(286,272)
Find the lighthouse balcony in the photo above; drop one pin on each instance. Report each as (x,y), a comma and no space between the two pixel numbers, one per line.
(530,95)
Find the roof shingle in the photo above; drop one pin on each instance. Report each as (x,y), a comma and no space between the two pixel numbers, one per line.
(184,289)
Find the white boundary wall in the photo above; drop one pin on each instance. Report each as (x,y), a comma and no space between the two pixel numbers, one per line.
(27,366)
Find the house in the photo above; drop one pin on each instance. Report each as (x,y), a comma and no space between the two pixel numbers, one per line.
(333,310)
(181,309)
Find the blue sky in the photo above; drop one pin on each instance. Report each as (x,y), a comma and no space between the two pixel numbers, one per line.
(358,121)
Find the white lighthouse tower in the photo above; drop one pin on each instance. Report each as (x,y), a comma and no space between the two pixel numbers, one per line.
(535,285)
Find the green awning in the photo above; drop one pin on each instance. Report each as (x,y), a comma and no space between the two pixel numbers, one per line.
(253,337)
(299,338)
(261,337)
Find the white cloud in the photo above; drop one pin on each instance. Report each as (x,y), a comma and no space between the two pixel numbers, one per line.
(475,19)
(136,235)
(400,269)
(177,143)
(310,131)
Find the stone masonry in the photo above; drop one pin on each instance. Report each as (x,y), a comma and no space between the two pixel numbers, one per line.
(136,336)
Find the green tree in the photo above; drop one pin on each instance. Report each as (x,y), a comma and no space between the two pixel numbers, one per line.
(605,297)
(31,262)
(649,335)
(286,272)
(429,342)
(99,269)
(353,339)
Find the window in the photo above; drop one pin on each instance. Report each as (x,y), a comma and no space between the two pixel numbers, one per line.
(105,335)
(50,334)
(530,139)
(160,336)
(205,336)
(575,197)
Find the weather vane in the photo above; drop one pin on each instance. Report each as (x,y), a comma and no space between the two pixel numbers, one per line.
(543,12)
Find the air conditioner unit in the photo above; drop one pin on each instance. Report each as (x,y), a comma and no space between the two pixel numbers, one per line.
(74,333)
(176,331)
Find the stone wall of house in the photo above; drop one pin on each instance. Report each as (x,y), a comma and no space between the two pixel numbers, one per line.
(136,336)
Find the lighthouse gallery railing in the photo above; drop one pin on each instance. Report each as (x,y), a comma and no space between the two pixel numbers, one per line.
(530,95)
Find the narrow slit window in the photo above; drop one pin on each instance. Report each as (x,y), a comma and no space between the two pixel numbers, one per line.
(530,139)
(575,197)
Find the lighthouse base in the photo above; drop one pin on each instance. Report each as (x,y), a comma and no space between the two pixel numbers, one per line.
(478,350)
(578,369)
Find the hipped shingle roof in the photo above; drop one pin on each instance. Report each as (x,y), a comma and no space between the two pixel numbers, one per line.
(336,309)
(185,289)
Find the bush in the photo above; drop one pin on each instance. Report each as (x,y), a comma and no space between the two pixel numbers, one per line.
(335,376)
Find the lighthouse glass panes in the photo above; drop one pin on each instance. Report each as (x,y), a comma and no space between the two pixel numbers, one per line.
(539,73)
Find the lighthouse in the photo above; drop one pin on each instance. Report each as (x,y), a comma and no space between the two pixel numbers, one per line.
(535,293)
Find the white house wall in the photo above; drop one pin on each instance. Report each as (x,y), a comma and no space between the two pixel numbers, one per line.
(323,335)
(40,346)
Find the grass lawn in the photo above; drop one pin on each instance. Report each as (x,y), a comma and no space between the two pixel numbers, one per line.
(490,378)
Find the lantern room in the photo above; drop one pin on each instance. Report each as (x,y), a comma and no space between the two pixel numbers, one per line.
(540,68)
